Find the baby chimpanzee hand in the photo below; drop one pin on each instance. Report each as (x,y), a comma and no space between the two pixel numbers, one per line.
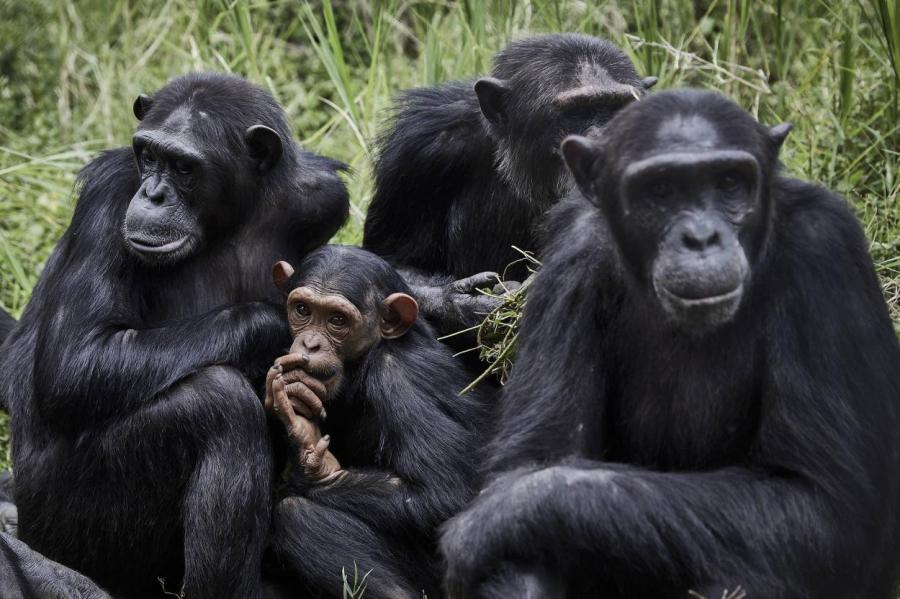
(306,392)
(318,464)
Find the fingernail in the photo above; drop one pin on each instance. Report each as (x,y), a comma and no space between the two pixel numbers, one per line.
(324,416)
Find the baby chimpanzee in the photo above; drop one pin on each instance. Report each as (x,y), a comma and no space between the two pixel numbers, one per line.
(399,455)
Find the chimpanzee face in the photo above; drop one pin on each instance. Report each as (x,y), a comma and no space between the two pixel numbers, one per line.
(163,223)
(685,212)
(192,186)
(687,206)
(330,331)
(532,113)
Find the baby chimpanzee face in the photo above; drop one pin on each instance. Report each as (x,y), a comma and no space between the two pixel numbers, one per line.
(330,331)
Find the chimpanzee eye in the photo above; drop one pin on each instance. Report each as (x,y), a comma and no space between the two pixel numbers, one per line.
(183,167)
(728,182)
(148,157)
(660,189)
(301,309)
(337,319)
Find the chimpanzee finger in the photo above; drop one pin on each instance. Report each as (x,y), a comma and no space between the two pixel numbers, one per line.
(321,448)
(504,287)
(481,304)
(270,377)
(291,361)
(282,404)
(305,402)
(470,284)
(298,375)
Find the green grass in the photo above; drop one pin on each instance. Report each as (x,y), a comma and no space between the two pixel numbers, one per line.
(70,71)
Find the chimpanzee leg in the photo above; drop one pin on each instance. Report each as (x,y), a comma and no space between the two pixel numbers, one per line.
(227,499)
(519,581)
(179,489)
(315,543)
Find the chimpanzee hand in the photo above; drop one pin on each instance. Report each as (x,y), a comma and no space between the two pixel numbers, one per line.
(306,393)
(317,463)
(495,527)
(459,305)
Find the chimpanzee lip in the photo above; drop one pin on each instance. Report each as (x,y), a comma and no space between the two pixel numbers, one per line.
(710,300)
(147,246)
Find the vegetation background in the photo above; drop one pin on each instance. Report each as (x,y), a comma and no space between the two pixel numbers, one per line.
(69,72)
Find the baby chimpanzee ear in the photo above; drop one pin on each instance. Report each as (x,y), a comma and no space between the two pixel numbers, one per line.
(402,313)
(281,272)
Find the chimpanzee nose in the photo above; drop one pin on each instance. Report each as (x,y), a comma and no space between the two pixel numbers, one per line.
(156,191)
(312,343)
(700,234)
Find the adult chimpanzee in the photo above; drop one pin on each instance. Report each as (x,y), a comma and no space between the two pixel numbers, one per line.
(26,574)
(722,408)
(468,170)
(403,451)
(140,447)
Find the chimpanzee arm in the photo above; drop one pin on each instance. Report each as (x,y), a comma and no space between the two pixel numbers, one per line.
(94,357)
(811,496)
(453,305)
(553,394)
(429,455)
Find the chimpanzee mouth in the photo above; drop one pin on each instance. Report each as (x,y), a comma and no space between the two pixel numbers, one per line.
(700,302)
(156,246)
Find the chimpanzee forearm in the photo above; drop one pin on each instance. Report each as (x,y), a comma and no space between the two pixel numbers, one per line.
(680,530)
(452,305)
(107,370)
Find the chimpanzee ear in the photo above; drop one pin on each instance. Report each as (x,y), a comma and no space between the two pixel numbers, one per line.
(779,133)
(265,147)
(402,313)
(583,157)
(648,82)
(142,106)
(492,99)
(281,272)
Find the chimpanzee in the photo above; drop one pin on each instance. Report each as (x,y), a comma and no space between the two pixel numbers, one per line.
(140,446)
(706,393)
(6,324)
(404,447)
(467,171)
(26,574)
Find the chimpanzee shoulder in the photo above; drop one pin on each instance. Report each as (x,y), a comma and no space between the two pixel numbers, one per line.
(436,147)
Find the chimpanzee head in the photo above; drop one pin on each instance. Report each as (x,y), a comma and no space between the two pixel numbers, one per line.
(342,302)
(208,148)
(544,88)
(684,179)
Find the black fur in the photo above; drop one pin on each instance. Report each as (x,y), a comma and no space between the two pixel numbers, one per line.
(7,323)
(407,438)
(140,446)
(635,459)
(455,192)
(26,574)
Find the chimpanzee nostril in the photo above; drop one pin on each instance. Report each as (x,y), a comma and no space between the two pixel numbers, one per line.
(698,237)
